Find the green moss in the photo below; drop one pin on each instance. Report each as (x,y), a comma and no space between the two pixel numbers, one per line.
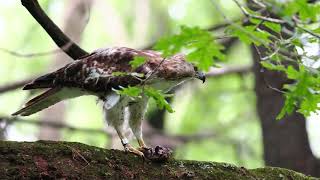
(47,159)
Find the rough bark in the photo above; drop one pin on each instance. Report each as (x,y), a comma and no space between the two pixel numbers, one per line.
(68,160)
(286,141)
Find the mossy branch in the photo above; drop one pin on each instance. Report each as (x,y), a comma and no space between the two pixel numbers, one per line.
(69,160)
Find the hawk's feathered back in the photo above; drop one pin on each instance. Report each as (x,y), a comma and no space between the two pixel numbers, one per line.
(94,72)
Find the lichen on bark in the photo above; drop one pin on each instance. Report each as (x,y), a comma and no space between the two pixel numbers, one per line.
(70,160)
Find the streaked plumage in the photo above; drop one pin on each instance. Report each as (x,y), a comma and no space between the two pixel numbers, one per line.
(94,74)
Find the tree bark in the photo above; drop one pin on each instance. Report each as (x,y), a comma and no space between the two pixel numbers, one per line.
(286,141)
(67,160)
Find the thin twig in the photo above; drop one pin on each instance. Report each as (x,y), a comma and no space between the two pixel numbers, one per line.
(29,55)
(308,31)
(264,80)
(10,120)
(217,72)
(15,85)
(153,71)
(273,20)
(77,152)
(245,12)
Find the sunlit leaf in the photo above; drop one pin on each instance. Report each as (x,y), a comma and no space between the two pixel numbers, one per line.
(130,91)
(159,98)
(199,46)
(137,61)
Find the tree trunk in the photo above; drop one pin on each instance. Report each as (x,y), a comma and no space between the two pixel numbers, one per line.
(67,160)
(286,141)
(75,16)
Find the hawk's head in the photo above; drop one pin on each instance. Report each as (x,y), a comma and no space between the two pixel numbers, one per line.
(176,68)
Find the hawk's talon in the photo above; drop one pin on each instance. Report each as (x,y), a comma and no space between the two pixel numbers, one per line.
(130,149)
(144,148)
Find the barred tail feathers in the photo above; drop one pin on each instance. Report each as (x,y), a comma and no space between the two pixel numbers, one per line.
(45,81)
(47,99)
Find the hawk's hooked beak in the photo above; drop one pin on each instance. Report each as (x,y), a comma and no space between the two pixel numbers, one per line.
(200,75)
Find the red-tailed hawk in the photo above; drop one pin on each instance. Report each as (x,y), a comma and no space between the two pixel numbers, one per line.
(94,74)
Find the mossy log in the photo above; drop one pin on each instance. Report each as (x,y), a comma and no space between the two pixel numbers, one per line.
(69,160)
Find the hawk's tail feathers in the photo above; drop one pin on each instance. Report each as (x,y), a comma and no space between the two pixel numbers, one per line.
(45,81)
(40,102)
(48,98)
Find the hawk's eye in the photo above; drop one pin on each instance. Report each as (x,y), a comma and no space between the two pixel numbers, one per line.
(195,68)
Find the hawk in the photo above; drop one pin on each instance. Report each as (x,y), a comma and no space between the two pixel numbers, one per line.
(95,74)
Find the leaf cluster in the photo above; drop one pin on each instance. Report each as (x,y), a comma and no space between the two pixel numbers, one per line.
(156,95)
(303,94)
(199,46)
(296,24)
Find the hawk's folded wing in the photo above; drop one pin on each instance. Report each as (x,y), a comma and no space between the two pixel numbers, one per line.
(97,71)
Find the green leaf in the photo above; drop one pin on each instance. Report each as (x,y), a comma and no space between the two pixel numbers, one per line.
(288,107)
(273,26)
(317,30)
(130,91)
(292,73)
(137,61)
(198,45)
(249,34)
(302,95)
(273,67)
(297,42)
(157,95)
(159,98)
(118,73)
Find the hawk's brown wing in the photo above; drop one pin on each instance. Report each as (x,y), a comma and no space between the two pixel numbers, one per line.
(96,71)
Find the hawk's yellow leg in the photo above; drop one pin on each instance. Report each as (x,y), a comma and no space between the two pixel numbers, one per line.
(126,145)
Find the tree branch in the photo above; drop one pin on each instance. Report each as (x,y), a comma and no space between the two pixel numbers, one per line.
(68,160)
(73,50)
(15,85)
(216,72)
(273,20)
(245,12)
(56,125)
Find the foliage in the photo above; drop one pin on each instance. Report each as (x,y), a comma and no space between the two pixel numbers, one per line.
(200,49)
(304,93)
(300,19)
(130,91)
(137,61)
(198,45)
(158,96)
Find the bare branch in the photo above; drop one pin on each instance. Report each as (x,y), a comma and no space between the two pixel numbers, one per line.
(29,55)
(273,20)
(15,85)
(308,31)
(74,51)
(52,124)
(245,12)
(216,72)
(264,79)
